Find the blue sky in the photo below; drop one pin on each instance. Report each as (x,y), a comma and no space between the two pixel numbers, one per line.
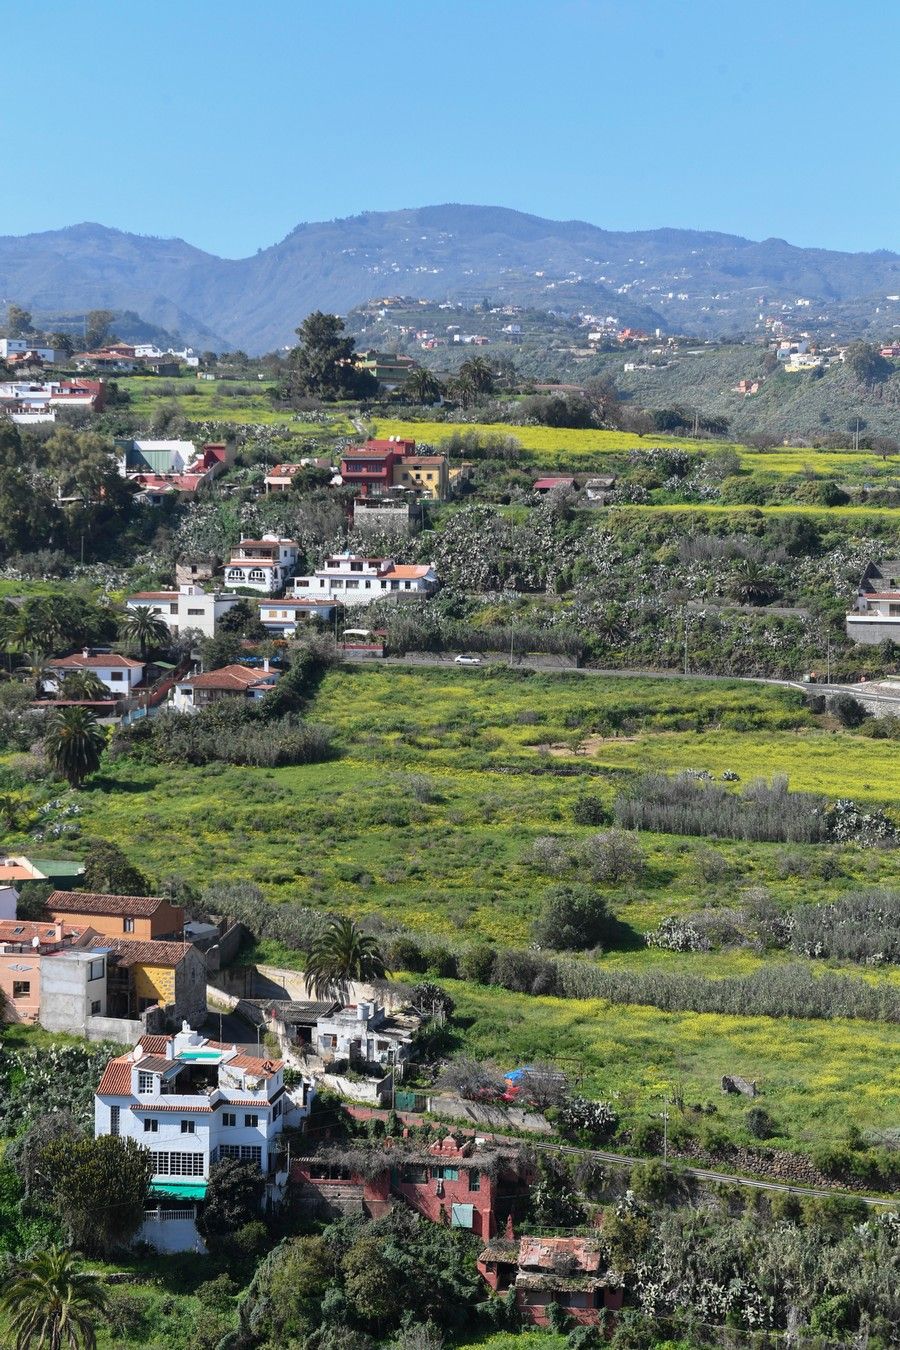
(227,122)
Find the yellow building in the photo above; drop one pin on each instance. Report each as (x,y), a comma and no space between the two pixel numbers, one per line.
(142,974)
(428,475)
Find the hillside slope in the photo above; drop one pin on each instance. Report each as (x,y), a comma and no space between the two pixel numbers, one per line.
(679,280)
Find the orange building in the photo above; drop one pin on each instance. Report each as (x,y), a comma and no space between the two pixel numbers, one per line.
(144,918)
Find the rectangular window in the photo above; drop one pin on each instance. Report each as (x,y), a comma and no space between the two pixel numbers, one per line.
(96,1007)
(445,1174)
(276,1110)
(114,1112)
(177,1164)
(96,970)
(21,988)
(229,1118)
(243,1152)
(201,612)
(151,1126)
(187,1127)
(474,1181)
(414,1174)
(117,675)
(128,925)
(251,1121)
(146,1083)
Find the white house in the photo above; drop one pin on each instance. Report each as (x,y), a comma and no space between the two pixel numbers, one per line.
(355,580)
(191,1102)
(876,615)
(284,617)
(262,565)
(366,1032)
(120,674)
(188,607)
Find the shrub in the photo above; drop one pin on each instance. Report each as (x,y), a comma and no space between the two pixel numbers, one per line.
(591,811)
(686,805)
(586,1122)
(404,953)
(759,1123)
(477,963)
(431,998)
(848,710)
(572,918)
(613,857)
(525,972)
(649,1180)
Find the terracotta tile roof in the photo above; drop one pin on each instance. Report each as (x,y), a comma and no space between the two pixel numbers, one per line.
(116,1080)
(153,595)
(20,930)
(420,461)
(263,1068)
(155,1045)
(295,604)
(92,902)
(267,543)
(408,572)
(107,660)
(156,1063)
(143,953)
(229,677)
(252,562)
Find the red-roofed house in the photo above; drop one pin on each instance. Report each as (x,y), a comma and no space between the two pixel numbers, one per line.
(568,1271)
(556,481)
(234,681)
(23,947)
(120,674)
(140,917)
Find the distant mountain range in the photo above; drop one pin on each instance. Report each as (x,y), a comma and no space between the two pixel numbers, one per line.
(676,280)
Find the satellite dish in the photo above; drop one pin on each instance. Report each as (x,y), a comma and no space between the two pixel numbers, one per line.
(35,941)
(137,1053)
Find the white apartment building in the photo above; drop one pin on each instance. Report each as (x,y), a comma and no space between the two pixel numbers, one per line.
(355,580)
(262,565)
(876,615)
(188,607)
(191,1102)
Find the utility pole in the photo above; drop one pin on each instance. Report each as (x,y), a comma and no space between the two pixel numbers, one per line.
(665,1121)
(828,658)
(685,635)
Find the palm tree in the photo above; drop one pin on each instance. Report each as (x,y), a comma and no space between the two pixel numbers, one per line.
(74,742)
(423,386)
(146,628)
(38,671)
(10,810)
(84,684)
(478,373)
(52,1304)
(341,955)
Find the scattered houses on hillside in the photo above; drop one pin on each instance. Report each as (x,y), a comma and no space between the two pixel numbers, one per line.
(161,468)
(120,674)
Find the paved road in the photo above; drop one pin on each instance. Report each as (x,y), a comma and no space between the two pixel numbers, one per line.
(863,692)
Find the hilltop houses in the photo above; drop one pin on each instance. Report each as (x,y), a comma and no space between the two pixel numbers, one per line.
(234,681)
(379,468)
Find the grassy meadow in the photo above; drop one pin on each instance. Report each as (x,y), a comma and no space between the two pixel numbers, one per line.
(563,447)
(245,402)
(429,815)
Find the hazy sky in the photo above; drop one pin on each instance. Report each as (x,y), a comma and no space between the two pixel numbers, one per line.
(229,122)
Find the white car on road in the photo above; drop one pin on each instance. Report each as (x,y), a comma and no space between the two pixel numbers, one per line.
(467,660)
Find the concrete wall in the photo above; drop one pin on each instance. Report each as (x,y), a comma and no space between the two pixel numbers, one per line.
(171,1235)
(871,632)
(120,1029)
(273,982)
(498,1117)
(68,993)
(223,952)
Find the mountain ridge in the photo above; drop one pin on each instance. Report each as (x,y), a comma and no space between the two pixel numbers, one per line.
(706,282)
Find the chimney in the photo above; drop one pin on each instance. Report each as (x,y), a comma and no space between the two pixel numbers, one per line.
(57,932)
(85,651)
(266,666)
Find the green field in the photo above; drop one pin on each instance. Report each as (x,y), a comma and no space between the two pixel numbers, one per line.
(219,401)
(556,447)
(429,816)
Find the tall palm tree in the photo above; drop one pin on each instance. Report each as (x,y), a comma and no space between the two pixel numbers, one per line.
(423,386)
(341,955)
(84,684)
(146,628)
(52,1304)
(38,671)
(74,742)
(479,374)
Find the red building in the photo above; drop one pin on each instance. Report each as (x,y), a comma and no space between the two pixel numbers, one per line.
(453,1181)
(568,1271)
(370,467)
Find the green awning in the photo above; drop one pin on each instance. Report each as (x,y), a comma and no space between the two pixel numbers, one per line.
(181,1190)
